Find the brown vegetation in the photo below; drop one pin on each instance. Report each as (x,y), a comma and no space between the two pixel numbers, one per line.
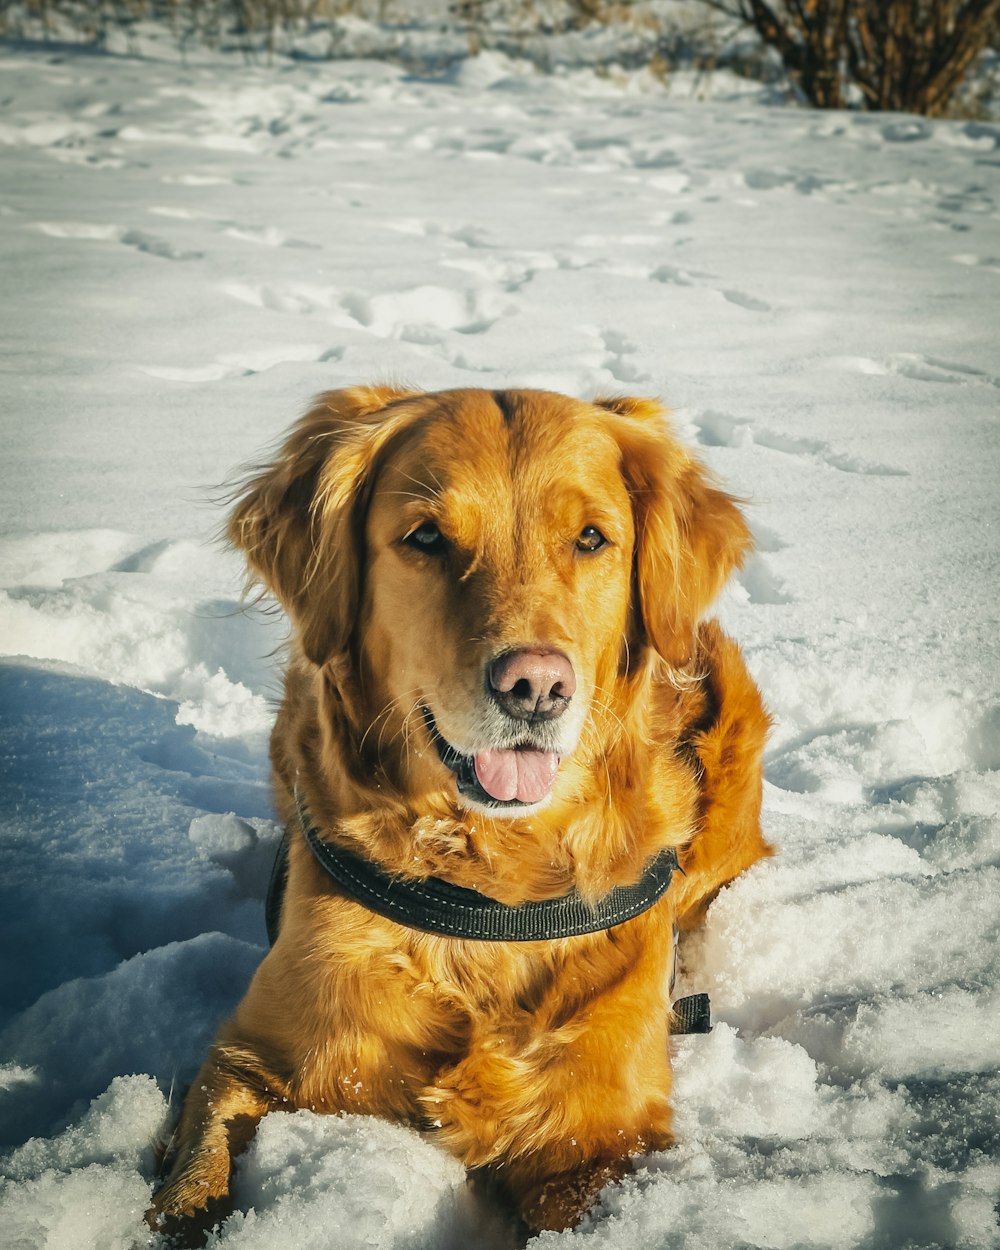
(904,55)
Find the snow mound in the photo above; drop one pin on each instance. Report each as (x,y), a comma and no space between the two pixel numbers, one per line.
(298,1183)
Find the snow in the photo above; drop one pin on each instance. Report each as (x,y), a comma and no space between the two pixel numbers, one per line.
(190,251)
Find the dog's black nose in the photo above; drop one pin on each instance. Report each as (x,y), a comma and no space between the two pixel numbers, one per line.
(532,685)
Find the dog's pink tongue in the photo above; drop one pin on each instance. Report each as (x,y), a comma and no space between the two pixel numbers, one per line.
(523,775)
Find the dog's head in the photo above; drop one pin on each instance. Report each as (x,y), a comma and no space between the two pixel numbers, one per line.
(492,569)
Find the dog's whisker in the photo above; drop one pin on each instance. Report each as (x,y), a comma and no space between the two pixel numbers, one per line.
(408,730)
(601,704)
(383,714)
(393,705)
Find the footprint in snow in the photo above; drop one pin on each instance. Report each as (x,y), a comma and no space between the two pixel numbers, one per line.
(767,540)
(767,179)
(674,275)
(920,368)
(90,231)
(616,351)
(716,429)
(510,275)
(424,309)
(197,180)
(294,297)
(749,302)
(761,583)
(94,232)
(992,263)
(467,236)
(244,363)
(265,236)
(154,246)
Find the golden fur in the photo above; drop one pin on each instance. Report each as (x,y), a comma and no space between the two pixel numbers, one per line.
(546,1063)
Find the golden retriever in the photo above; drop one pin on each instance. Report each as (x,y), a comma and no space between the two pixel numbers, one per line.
(499,679)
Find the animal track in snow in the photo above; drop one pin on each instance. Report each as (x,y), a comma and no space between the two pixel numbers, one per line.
(197,180)
(462,360)
(510,274)
(293,297)
(422,310)
(264,236)
(155,246)
(467,236)
(90,231)
(918,368)
(761,583)
(921,368)
(992,263)
(151,244)
(617,349)
(715,429)
(243,363)
(674,275)
(767,540)
(749,302)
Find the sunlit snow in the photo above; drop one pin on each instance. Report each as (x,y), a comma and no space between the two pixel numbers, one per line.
(191,251)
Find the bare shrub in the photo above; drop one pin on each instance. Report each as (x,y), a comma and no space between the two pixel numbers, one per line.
(904,55)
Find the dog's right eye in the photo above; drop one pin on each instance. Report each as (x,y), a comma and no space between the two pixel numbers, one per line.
(428,539)
(591,539)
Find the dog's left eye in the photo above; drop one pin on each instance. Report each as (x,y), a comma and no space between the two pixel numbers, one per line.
(427,538)
(591,539)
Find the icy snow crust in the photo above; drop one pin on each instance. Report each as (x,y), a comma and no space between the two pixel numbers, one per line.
(189,253)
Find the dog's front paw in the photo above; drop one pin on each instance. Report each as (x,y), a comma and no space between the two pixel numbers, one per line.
(184,1219)
(454,1111)
(562,1201)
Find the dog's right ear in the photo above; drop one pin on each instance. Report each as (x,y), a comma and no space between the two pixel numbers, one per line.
(298,520)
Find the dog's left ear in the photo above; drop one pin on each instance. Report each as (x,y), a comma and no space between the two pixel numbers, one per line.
(690,534)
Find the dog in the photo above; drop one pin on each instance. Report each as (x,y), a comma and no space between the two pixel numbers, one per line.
(500,685)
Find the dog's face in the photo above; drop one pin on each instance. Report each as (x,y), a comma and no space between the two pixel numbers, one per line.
(499,545)
(494,564)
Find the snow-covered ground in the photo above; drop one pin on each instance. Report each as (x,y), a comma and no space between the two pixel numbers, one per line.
(188,253)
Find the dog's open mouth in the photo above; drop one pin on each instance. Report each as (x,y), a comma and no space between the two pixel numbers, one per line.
(501,777)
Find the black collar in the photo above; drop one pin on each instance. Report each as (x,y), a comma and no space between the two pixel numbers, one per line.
(437,906)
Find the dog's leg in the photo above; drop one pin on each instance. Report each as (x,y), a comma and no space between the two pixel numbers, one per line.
(557,1146)
(558,1100)
(559,1202)
(221,1113)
